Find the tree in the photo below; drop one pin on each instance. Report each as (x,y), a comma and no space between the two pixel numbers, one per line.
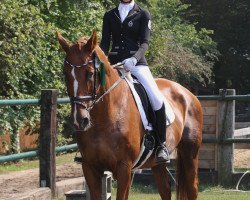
(29,57)
(178,51)
(29,61)
(74,18)
(230,22)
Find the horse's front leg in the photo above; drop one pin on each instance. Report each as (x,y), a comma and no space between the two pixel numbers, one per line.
(162,180)
(123,176)
(94,181)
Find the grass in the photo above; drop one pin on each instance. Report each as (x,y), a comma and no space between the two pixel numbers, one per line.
(32,164)
(210,193)
(218,193)
(242,170)
(139,192)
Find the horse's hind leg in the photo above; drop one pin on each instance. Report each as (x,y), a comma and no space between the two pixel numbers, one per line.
(187,171)
(162,181)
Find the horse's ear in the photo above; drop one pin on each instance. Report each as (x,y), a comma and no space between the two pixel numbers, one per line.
(92,42)
(64,44)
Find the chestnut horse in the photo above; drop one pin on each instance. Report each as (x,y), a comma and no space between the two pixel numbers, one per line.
(109,130)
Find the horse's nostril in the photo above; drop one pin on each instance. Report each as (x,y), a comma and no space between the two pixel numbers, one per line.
(84,122)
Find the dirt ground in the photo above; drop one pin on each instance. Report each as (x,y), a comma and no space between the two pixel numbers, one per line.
(15,183)
(242,158)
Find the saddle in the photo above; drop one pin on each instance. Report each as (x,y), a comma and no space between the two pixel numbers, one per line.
(149,112)
(148,117)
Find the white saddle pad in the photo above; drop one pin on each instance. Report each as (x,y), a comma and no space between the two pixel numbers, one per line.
(170,116)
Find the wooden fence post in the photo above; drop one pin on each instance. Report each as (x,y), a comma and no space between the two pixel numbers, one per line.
(226,124)
(47,140)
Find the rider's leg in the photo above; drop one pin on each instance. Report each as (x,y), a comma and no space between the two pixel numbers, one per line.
(144,76)
(162,154)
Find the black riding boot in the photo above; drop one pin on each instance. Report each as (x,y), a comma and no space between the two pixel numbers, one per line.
(161,154)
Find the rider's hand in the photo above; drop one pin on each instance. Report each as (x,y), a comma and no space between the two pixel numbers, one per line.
(129,63)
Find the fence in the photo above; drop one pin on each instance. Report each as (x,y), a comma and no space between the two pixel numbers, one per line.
(47,137)
(216,151)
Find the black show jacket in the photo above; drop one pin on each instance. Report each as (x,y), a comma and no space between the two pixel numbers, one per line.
(129,38)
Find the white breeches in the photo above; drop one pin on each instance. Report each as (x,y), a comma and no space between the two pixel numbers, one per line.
(144,76)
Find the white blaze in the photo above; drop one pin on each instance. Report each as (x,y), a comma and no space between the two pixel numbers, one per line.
(75,85)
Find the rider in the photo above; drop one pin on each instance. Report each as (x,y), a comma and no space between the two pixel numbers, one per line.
(128,27)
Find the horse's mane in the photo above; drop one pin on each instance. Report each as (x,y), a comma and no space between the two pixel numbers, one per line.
(101,55)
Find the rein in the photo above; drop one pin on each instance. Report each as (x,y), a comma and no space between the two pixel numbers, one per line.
(108,91)
(78,99)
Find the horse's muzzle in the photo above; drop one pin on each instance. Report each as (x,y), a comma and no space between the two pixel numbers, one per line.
(80,116)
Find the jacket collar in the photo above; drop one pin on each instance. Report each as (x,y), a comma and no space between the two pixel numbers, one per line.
(136,9)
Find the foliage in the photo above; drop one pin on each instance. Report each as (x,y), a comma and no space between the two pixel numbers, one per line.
(28,60)
(230,22)
(74,18)
(29,57)
(182,65)
(178,51)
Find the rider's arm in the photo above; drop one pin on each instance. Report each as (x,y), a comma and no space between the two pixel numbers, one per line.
(144,35)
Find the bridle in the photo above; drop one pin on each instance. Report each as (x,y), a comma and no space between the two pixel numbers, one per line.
(82,65)
(93,97)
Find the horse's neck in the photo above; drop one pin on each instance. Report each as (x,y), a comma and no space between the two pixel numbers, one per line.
(117,113)
(115,101)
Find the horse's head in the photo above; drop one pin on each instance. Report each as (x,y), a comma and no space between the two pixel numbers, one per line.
(79,73)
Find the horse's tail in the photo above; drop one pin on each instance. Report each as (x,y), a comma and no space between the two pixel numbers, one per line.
(181,180)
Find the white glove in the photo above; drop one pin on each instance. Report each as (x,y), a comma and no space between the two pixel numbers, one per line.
(129,63)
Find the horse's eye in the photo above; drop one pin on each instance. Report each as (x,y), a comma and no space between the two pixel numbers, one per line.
(90,76)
